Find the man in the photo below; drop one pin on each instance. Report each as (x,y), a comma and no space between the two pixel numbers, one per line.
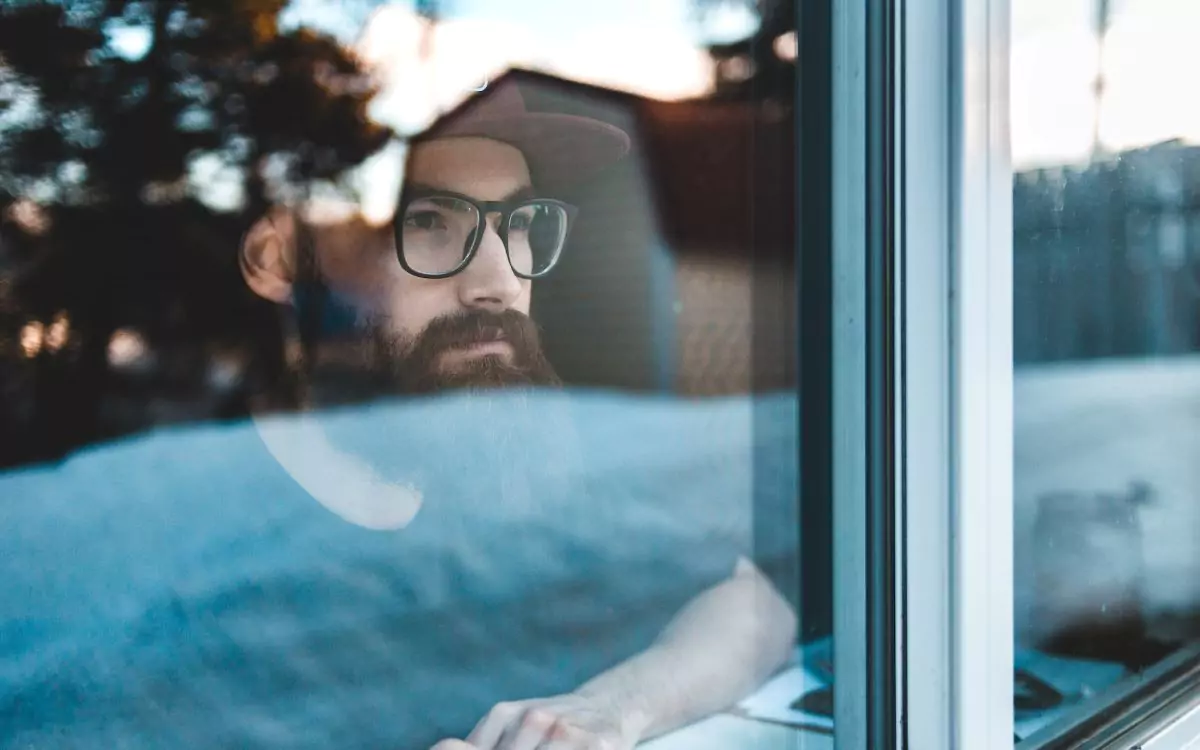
(443,303)
(501,567)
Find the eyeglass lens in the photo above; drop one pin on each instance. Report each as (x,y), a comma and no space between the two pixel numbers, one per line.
(437,234)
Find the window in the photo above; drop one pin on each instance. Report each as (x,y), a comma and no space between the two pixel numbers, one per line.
(686,374)
(1045,327)
(404,374)
(1104,332)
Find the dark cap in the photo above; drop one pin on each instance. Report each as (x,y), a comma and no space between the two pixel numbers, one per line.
(560,149)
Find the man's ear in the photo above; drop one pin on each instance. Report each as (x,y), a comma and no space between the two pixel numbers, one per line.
(268,256)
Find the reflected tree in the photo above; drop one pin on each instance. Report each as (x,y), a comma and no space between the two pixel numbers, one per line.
(136,140)
(761,66)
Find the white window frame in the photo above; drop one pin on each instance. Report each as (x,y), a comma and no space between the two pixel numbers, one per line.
(953,387)
(956,377)
(953,378)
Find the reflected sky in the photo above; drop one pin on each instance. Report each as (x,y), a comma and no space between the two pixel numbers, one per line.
(543,17)
(1149,63)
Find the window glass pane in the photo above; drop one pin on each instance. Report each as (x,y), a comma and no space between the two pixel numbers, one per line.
(382,374)
(1107,305)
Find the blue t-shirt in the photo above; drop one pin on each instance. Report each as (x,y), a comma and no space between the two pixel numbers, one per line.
(180,589)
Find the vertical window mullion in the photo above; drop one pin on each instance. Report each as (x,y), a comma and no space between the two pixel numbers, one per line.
(957,377)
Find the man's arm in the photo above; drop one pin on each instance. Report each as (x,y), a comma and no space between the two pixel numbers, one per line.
(720,647)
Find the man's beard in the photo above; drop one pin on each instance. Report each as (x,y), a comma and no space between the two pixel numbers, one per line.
(418,366)
(378,363)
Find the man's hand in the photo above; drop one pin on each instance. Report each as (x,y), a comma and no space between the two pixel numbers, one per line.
(720,647)
(564,722)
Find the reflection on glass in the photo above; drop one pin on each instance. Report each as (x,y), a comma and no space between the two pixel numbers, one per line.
(391,383)
(1106,332)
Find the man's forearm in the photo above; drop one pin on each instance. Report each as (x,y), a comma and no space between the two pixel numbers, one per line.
(720,647)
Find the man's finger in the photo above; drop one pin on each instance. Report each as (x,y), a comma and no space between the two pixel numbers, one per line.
(452,745)
(487,734)
(564,740)
(534,727)
(564,737)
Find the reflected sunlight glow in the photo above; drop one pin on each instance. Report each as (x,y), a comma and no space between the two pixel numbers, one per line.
(126,348)
(58,332)
(31,339)
(30,216)
(786,46)
(130,42)
(729,22)
(429,68)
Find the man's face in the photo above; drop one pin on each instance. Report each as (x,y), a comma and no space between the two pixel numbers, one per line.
(470,329)
(480,169)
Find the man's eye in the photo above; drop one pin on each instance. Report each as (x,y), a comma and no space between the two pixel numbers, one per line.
(424,220)
(520,222)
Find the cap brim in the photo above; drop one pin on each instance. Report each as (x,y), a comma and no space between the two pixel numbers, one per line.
(560,149)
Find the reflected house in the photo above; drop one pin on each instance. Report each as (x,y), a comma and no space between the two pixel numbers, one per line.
(724,173)
(683,260)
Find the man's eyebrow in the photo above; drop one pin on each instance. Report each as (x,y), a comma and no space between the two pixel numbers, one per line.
(414,189)
(522,193)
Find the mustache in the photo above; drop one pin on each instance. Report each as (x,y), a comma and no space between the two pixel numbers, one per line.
(417,369)
(471,327)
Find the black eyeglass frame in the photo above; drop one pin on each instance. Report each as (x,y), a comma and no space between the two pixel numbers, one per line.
(483,209)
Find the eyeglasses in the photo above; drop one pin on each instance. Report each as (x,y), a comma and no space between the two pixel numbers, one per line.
(438,233)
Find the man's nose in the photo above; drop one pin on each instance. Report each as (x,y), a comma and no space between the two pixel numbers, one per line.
(488,281)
